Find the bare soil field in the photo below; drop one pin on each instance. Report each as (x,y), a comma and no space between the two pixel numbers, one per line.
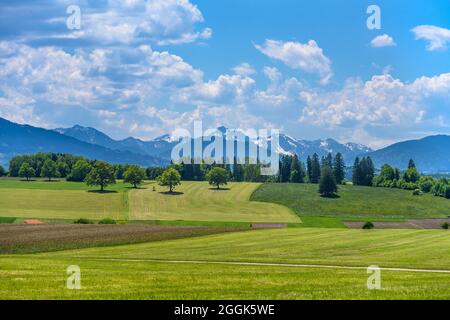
(409,224)
(41,238)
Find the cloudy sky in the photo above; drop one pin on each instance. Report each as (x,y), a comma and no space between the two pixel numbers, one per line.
(312,69)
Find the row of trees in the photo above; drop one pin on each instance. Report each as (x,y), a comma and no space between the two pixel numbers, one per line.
(411,179)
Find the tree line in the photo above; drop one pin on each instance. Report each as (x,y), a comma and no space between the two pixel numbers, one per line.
(328,170)
(411,179)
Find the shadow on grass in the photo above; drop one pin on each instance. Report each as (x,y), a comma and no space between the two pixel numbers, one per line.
(331,196)
(138,187)
(173,193)
(104,191)
(221,189)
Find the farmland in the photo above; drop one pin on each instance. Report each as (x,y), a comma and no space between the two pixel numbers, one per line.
(180,245)
(125,273)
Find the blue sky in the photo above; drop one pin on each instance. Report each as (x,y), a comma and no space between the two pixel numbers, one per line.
(309,68)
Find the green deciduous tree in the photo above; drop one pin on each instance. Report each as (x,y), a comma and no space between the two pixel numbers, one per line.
(2,171)
(26,171)
(79,171)
(102,174)
(217,176)
(49,170)
(134,175)
(411,175)
(169,178)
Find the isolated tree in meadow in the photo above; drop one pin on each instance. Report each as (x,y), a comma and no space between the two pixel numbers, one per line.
(339,168)
(134,175)
(102,174)
(2,171)
(49,170)
(169,178)
(327,185)
(217,176)
(79,171)
(26,171)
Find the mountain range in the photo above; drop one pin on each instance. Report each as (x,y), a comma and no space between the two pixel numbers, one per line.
(431,154)
(16,139)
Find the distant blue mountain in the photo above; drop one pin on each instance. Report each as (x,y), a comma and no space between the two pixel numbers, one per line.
(160,147)
(16,139)
(431,154)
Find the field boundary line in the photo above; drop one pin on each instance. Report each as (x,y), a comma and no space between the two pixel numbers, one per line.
(265,264)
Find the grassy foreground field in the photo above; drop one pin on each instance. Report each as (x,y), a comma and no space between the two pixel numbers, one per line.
(202,202)
(354,202)
(135,272)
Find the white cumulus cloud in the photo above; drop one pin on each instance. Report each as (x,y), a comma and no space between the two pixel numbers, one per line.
(308,57)
(383,41)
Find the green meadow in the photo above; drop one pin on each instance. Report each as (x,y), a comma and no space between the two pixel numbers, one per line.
(354,202)
(135,272)
(198,201)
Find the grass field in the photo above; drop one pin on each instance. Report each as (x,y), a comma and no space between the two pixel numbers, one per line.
(192,201)
(199,201)
(43,275)
(385,248)
(354,202)
(61,200)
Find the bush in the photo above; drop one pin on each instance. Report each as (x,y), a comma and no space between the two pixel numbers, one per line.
(83,221)
(446,226)
(107,221)
(417,192)
(368,225)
